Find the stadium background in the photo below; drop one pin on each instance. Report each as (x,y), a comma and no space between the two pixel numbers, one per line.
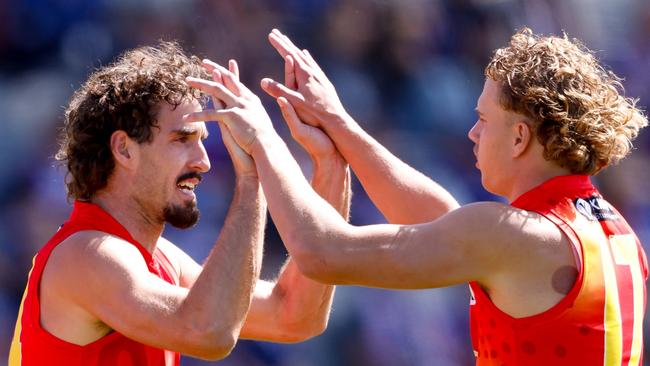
(410,71)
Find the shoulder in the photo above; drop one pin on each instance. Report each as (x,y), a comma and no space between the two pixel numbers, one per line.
(501,220)
(91,246)
(87,268)
(506,231)
(89,254)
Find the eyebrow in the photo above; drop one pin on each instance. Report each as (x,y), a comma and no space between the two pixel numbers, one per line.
(189,131)
(477,111)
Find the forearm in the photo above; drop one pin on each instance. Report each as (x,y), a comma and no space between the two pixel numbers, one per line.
(221,295)
(305,221)
(295,308)
(402,194)
(332,181)
(306,303)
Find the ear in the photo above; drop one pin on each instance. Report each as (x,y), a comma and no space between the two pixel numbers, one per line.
(124,149)
(523,135)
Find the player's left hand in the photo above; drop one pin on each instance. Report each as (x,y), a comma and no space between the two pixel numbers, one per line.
(242,162)
(244,114)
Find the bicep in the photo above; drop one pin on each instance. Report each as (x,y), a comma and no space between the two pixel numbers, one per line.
(262,315)
(459,247)
(120,292)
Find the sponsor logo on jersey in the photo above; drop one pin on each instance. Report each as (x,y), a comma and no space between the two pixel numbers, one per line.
(595,208)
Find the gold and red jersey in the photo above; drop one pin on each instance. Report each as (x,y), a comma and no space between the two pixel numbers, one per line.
(599,322)
(34,346)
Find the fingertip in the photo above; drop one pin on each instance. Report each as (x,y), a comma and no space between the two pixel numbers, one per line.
(284,104)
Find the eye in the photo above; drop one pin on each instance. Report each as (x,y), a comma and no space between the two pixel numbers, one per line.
(183,139)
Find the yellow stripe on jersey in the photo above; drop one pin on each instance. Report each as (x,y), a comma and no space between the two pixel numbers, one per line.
(626,253)
(613,328)
(15,352)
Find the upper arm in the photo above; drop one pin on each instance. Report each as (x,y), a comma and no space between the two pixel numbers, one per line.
(468,244)
(119,290)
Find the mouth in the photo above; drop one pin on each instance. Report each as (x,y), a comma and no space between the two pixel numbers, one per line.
(187,183)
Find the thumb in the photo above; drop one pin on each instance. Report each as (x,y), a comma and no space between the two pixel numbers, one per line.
(276,90)
(296,126)
(226,136)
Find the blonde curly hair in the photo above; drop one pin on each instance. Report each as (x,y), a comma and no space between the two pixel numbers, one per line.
(578,109)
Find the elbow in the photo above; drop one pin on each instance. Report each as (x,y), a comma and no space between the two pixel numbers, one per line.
(315,330)
(319,271)
(296,333)
(314,264)
(317,256)
(213,345)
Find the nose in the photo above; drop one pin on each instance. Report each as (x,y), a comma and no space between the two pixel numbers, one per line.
(474,132)
(201,161)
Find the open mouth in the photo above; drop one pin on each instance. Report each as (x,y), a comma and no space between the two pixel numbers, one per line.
(188,182)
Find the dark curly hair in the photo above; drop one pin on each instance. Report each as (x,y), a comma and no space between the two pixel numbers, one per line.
(578,109)
(124,96)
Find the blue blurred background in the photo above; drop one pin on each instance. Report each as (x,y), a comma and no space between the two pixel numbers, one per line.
(409,71)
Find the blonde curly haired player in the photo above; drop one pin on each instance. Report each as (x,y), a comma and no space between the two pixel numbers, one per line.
(575,105)
(557,277)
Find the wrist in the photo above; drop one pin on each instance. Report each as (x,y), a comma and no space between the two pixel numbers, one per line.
(331,169)
(339,121)
(328,162)
(247,181)
(263,142)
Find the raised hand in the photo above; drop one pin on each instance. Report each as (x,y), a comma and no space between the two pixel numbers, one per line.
(243,112)
(306,87)
(242,162)
(316,142)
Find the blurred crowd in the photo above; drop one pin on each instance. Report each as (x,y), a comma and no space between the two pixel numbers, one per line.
(408,70)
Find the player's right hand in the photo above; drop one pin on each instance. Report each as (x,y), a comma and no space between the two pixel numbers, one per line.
(306,86)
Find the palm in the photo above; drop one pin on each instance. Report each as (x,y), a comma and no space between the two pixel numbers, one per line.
(315,141)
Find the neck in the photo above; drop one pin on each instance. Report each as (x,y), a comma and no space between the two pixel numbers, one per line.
(528,179)
(142,227)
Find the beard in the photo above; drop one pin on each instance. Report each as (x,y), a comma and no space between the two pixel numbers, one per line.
(182,216)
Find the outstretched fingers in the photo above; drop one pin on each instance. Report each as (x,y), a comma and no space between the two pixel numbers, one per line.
(208,115)
(230,78)
(285,48)
(277,90)
(234,68)
(302,59)
(213,88)
(290,73)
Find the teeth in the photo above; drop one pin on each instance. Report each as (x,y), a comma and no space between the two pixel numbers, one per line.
(187,185)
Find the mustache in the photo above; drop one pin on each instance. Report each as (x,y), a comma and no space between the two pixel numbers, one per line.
(188,176)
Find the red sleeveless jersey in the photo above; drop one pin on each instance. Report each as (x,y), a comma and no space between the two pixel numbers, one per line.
(34,346)
(599,322)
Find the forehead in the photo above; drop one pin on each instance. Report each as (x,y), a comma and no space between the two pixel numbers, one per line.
(489,99)
(171,119)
